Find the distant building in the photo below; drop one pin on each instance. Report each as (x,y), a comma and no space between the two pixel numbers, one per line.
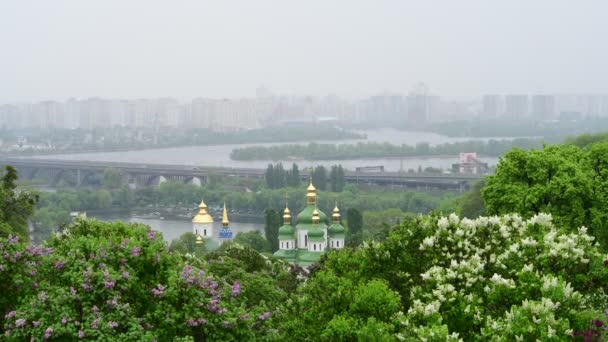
(202,225)
(311,237)
(543,107)
(492,106)
(516,106)
(468,163)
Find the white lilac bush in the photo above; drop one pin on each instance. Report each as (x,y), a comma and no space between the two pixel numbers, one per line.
(494,278)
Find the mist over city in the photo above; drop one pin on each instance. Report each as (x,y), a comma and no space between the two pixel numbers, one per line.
(303,171)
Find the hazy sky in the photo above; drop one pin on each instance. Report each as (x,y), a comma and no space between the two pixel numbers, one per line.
(54,49)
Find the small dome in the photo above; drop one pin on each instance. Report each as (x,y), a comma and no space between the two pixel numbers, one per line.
(202,216)
(316,232)
(287,230)
(336,229)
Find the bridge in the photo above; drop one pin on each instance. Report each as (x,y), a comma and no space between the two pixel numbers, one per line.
(80,173)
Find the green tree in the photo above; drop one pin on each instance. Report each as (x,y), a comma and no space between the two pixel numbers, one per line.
(336,178)
(16,205)
(272,222)
(253,239)
(269,175)
(354,234)
(556,180)
(112,178)
(319,177)
(280,176)
(186,243)
(471,203)
(294,176)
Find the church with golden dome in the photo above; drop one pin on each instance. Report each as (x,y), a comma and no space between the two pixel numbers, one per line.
(202,227)
(311,237)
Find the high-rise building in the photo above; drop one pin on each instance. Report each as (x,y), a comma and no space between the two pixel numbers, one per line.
(516,106)
(492,106)
(543,107)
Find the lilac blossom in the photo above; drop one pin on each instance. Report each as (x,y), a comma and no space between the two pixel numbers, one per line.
(266,315)
(48,333)
(80,334)
(135,251)
(35,323)
(125,275)
(20,323)
(236,289)
(58,265)
(95,323)
(72,291)
(109,284)
(152,235)
(12,239)
(158,291)
(95,309)
(64,320)
(112,324)
(10,314)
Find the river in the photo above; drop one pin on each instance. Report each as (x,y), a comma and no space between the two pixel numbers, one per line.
(219,155)
(170,228)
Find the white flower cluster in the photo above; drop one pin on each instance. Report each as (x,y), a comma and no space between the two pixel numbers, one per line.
(475,262)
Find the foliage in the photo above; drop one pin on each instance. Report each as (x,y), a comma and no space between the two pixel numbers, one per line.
(16,205)
(114,281)
(492,278)
(112,178)
(253,239)
(186,244)
(354,233)
(315,151)
(336,178)
(566,181)
(471,203)
(272,222)
(319,177)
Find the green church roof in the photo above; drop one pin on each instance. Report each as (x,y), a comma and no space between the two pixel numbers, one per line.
(305,216)
(286,230)
(336,229)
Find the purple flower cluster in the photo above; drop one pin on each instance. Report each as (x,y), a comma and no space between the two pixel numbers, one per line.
(135,251)
(196,322)
(187,274)
(95,323)
(158,291)
(152,235)
(20,323)
(266,315)
(48,333)
(109,284)
(58,265)
(12,239)
(80,334)
(236,289)
(112,324)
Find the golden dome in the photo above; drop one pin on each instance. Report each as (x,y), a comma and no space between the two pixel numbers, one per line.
(225,221)
(336,214)
(199,239)
(286,216)
(311,193)
(315,216)
(202,216)
(311,187)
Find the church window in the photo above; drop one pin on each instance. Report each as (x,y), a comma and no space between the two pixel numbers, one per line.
(305,240)
(205,232)
(314,246)
(338,243)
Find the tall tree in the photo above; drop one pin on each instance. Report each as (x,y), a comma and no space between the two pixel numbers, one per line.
(319,177)
(16,206)
(294,176)
(336,178)
(565,181)
(269,176)
(354,221)
(279,176)
(272,222)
